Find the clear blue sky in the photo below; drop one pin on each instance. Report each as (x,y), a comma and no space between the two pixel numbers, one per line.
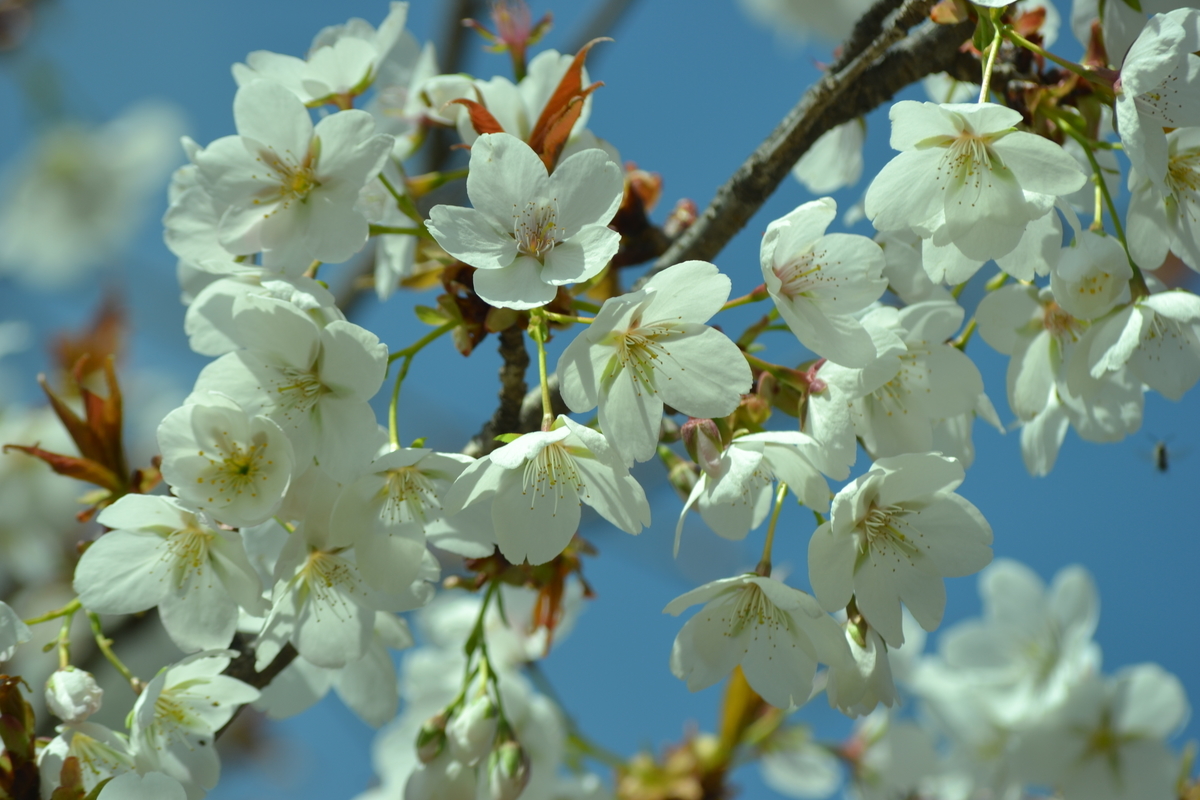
(690,90)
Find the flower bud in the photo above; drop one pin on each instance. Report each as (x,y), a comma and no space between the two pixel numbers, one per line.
(473,729)
(431,739)
(72,694)
(702,439)
(508,771)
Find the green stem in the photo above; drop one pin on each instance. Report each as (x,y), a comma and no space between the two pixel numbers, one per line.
(408,354)
(380,230)
(403,201)
(764,564)
(69,609)
(538,332)
(991,60)
(759,293)
(64,641)
(1092,76)
(584,305)
(105,645)
(961,341)
(567,318)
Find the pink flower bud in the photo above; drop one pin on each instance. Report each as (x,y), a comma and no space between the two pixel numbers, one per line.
(702,439)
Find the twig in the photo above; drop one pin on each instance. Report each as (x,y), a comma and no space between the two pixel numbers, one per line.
(846,92)
(242,668)
(507,418)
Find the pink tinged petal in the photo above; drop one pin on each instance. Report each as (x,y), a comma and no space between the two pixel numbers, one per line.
(631,416)
(269,113)
(617,497)
(914,122)
(582,256)
(471,237)
(353,361)
(534,522)
(953,536)
(518,286)
(505,175)
(124,572)
(1039,164)
(831,561)
(796,233)
(199,614)
(903,195)
(703,373)
(1152,702)
(690,291)
(588,189)
(915,476)
(331,230)
(277,331)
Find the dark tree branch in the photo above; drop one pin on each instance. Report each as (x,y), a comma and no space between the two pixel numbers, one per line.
(864,82)
(242,668)
(507,418)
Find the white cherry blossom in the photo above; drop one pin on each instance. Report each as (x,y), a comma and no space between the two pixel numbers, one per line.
(1092,276)
(219,459)
(835,159)
(651,347)
(892,535)
(13,631)
(151,786)
(819,280)
(101,752)
(537,483)
(163,554)
(286,187)
(1157,337)
(1166,217)
(177,715)
(73,695)
(966,176)
(530,232)
(777,635)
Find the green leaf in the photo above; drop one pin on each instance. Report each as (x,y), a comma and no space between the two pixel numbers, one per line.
(431,316)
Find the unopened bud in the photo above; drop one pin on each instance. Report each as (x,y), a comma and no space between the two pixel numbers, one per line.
(431,739)
(72,694)
(473,729)
(508,771)
(702,439)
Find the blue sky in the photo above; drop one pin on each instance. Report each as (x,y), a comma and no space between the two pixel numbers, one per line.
(690,90)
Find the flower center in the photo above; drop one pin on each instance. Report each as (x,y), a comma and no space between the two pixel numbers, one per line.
(293,181)
(638,350)
(881,530)
(188,550)
(550,472)
(801,276)
(755,608)
(408,494)
(237,470)
(536,228)
(299,390)
(1183,179)
(1059,323)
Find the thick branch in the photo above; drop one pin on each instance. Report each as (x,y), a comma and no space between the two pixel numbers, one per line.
(242,668)
(846,92)
(507,418)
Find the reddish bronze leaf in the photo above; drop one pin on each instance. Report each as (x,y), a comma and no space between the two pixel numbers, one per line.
(481,119)
(569,88)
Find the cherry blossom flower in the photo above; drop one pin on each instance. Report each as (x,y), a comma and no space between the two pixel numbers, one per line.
(1159,86)
(537,483)
(734,494)
(650,347)
(966,176)
(151,786)
(177,715)
(777,635)
(819,280)
(219,459)
(288,188)
(1106,742)
(72,694)
(314,381)
(101,752)
(892,535)
(162,554)
(342,62)
(530,232)
(834,160)
(1165,217)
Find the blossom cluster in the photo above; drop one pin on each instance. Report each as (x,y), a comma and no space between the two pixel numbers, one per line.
(298,526)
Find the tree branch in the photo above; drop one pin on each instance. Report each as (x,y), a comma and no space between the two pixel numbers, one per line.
(864,82)
(507,418)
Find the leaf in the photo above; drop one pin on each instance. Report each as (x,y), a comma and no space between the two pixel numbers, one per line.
(431,316)
(83,469)
(481,119)
(569,88)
